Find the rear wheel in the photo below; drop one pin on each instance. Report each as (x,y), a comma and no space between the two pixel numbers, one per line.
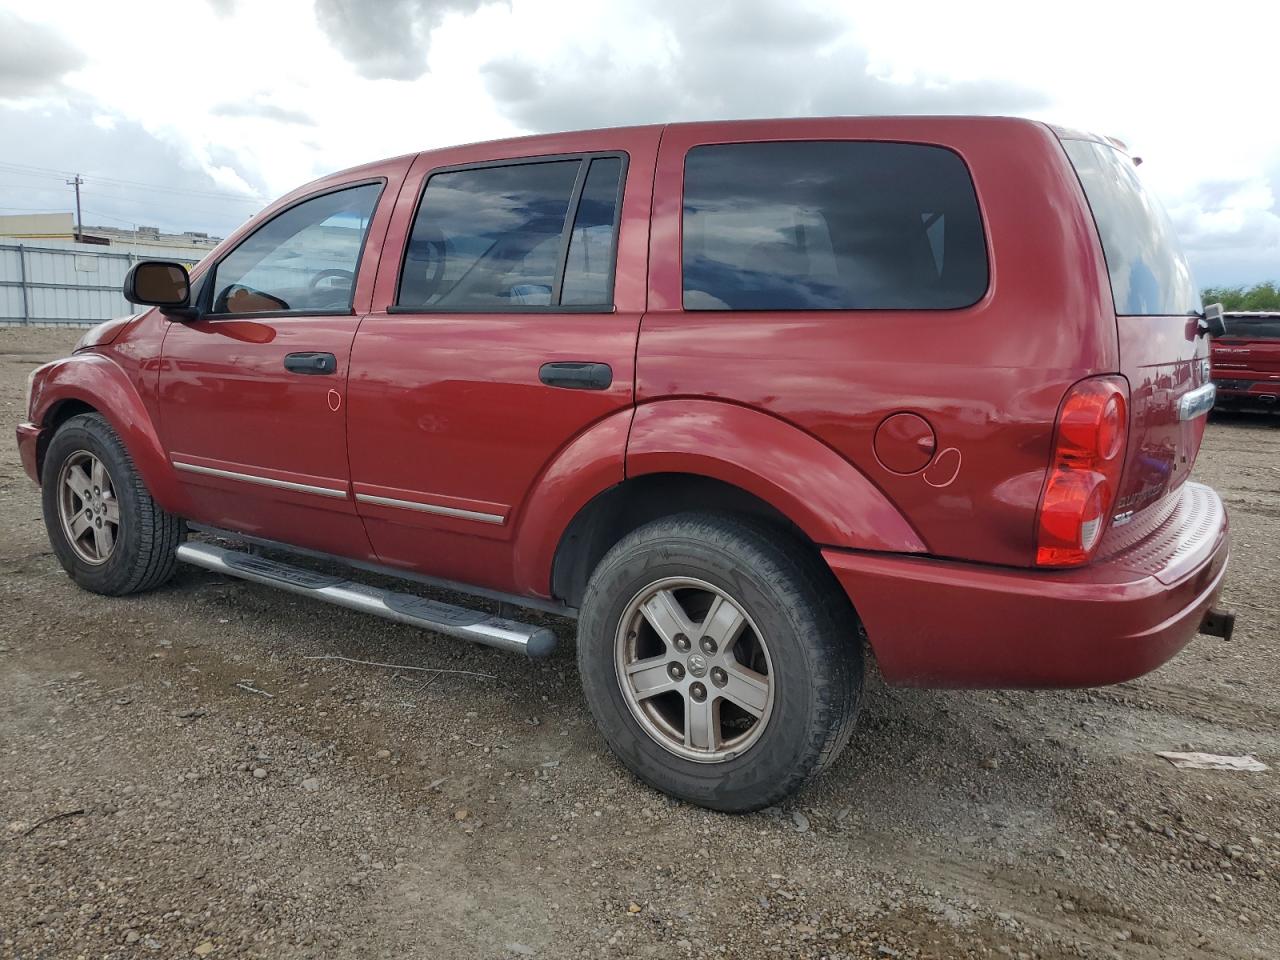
(719,659)
(106,531)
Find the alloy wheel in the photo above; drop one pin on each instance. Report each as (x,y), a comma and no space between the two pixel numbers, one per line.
(694,670)
(87,507)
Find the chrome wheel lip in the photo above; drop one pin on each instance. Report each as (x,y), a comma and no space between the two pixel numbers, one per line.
(651,721)
(88,510)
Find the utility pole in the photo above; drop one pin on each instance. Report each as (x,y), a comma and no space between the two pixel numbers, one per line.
(79,225)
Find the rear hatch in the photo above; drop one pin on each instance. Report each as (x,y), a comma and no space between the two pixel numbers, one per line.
(1163,355)
(1248,354)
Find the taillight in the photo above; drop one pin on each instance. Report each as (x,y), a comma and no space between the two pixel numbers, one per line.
(1088,454)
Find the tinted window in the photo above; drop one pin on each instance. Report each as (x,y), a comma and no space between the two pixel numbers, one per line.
(588,273)
(492,238)
(1253,328)
(305,259)
(830,225)
(1149,273)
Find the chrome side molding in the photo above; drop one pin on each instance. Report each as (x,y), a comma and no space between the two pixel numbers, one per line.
(259,479)
(430,508)
(1197,402)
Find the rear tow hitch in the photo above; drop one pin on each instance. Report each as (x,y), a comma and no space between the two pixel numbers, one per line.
(1218,623)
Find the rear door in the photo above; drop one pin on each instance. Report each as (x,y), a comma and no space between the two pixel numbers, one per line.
(505,325)
(1163,354)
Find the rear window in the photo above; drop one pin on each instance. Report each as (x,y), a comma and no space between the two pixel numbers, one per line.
(830,225)
(1149,272)
(1253,328)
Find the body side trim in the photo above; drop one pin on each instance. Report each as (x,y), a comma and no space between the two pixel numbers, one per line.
(259,479)
(431,508)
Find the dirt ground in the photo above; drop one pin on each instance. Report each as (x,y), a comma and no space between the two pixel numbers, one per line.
(354,811)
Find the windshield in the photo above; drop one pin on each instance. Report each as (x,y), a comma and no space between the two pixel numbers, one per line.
(1149,272)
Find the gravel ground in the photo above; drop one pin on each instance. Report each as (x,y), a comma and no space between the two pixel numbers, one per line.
(340,810)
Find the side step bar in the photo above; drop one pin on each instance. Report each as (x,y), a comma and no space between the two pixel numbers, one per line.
(405,608)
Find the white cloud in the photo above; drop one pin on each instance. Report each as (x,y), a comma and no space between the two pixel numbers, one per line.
(257,98)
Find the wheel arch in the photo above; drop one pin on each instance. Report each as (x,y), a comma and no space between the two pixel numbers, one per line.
(91,383)
(58,414)
(622,508)
(821,492)
(700,454)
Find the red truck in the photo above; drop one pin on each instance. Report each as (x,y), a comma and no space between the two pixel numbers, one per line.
(1245,360)
(742,397)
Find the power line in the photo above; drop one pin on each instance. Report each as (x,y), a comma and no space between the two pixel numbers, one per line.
(52,174)
(198,205)
(108,216)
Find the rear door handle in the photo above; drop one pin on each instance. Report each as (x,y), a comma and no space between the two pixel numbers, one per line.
(578,375)
(314,363)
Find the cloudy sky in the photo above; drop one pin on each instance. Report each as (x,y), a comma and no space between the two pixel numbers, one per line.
(191,116)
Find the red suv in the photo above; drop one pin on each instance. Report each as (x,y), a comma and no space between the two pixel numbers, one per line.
(737,396)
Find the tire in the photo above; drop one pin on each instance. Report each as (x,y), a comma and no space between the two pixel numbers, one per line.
(144,538)
(798,631)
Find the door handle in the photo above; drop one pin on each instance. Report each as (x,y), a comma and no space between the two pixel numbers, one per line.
(314,363)
(577,375)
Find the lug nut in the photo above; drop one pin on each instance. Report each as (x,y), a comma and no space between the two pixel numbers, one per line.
(682,643)
(719,677)
(708,646)
(675,671)
(698,692)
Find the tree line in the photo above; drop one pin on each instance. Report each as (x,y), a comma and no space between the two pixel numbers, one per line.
(1261,296)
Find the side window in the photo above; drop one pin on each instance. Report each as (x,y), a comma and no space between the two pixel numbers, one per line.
(588,272)
(494,238)
(303,260)
(830,225)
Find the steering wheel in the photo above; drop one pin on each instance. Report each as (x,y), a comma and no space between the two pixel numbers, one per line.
(324,275)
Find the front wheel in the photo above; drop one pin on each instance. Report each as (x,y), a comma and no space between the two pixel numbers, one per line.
(106,531)
(719,659)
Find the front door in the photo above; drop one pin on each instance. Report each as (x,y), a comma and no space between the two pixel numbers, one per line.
(508,335)
(252,394)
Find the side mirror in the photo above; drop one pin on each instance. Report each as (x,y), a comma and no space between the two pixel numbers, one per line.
(158,283)
(1211,321)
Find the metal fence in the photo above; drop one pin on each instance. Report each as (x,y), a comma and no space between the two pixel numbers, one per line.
(71,284)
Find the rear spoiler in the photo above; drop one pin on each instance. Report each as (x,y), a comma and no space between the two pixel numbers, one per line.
(1067,133)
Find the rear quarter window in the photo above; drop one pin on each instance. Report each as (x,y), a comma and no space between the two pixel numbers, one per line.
(1149,272)
(830,225)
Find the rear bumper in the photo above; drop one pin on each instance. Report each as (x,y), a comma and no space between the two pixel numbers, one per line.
(28,449)
(947,624)
(1238,392)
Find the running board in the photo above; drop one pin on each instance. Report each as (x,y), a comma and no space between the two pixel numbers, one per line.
(405,608)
